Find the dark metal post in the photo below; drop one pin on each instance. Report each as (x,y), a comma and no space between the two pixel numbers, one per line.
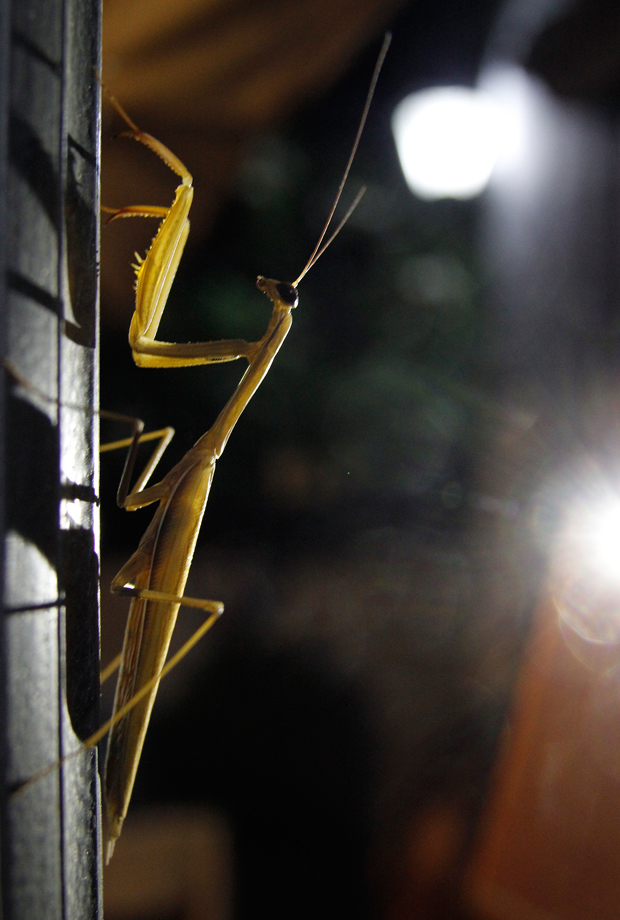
(49,144)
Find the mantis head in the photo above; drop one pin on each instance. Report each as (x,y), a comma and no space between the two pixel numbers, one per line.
(278,291)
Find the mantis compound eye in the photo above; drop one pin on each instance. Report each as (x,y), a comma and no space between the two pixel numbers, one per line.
(278,291)
(287,293)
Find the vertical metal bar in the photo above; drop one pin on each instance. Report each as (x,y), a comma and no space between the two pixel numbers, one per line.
(4,118)
(48,246)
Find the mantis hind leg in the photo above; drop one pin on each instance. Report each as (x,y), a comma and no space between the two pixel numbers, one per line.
(216,608)
(101,732)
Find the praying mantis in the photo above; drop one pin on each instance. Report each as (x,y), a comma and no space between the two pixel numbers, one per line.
(155,576)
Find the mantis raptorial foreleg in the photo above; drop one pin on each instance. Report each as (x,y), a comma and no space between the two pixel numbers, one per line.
(155,272)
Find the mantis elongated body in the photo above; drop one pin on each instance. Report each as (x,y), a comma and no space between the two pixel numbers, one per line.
(156,573)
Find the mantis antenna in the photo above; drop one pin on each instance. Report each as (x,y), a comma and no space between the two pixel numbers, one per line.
(318,249)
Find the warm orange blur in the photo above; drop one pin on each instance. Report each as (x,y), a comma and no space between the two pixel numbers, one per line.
(551,834)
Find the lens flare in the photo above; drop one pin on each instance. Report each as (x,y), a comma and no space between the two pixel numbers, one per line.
(586,569)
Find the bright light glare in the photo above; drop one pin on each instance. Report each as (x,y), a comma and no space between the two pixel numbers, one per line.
(447,141)
(601,538)
(523,114)
(586,570)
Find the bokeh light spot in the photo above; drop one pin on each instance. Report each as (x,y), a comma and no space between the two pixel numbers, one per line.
(447,140)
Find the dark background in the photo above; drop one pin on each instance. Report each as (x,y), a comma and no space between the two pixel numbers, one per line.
(375,609)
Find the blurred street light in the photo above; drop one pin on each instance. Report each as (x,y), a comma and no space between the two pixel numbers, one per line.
(447,140)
